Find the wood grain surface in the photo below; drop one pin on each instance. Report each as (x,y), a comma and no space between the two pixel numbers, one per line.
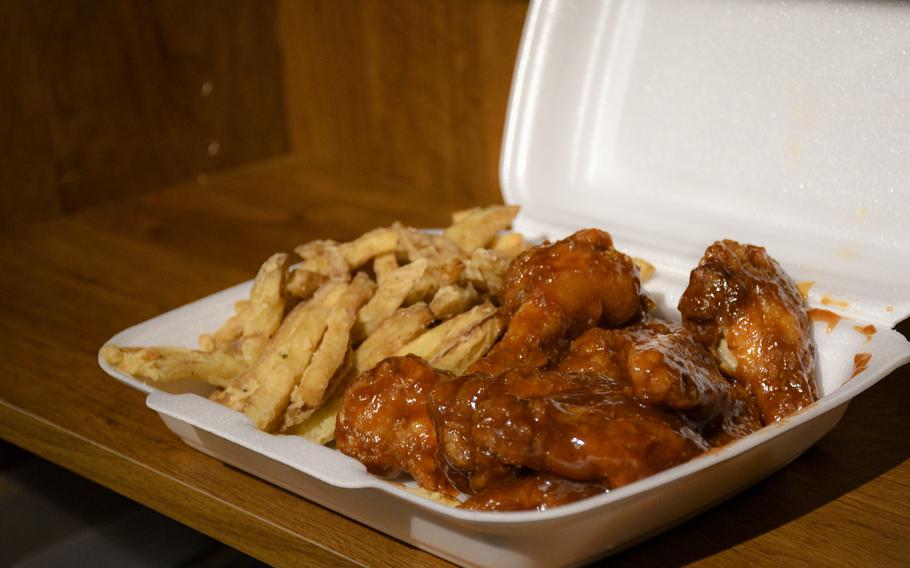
(107,98)
(66,285)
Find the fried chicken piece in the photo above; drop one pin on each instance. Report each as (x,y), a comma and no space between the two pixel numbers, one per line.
(666,367)
(451,406)
(384,422)
(537,491)
(582,427)
(554,292)
(748,313)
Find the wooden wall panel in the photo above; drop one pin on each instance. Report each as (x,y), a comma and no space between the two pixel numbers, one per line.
(410,90)
(108,97)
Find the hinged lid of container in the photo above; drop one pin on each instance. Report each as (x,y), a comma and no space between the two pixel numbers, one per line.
(674,124)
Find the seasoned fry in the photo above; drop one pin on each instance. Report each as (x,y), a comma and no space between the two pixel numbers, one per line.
(451,300)
(165,364)
(478,227)
(645,269)
(310,390)
(388,297)
(302,283)
(267,303)
(369,245)
(414,244)
(436,276)
(324,257)
(229,332)
(442,337)
(319,427)
(471,346)
(395,331)
(485,270)
(509,244)
(383,265)
(393,334)
(264,390)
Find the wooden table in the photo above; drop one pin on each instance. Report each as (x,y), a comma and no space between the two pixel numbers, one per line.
(69,284)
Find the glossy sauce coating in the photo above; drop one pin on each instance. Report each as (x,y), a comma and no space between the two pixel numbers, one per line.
(749,314)
(570,403)
(555,291)
(542,490)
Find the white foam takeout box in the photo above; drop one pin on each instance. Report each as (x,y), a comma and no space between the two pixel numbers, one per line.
(671,125)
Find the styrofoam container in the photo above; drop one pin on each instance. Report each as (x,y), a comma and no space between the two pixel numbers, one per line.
(671,125)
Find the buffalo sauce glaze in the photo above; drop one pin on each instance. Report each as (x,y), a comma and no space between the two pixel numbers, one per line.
(585,392)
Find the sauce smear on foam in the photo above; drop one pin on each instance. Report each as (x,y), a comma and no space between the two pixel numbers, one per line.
(804,288)
(830,318)
(867,330)
(860,362)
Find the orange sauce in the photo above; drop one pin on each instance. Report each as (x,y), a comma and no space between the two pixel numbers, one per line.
(829,301)
(804,288)
(860,362)
(830,318)
(867,330)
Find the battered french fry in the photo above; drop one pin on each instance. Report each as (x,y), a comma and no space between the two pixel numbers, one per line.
(395,331)
(369,245)
(485,270)
(229,332)
(310,390)
(263,392)
(452,300)
(470,347)
(414,244)
(324,257)
(266,308)
(509,245)
(478,227)
(645,269)
(389,296)
(436,276)
(442,337)
(462,214)
(383,265)
(319,427)
(166,364)
(302,283)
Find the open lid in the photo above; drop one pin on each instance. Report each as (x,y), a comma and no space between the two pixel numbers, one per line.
(674,124)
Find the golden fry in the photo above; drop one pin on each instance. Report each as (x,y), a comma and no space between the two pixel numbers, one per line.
(383,265)
(393,334)
(324,257)
(442,337)
(451,300)
(302,283)
(263,392)
(645,269)
(266,308)
(509,245)
(478,227)
(369,245)
(470,347)
(310,390)
(485,270)
(165,364)
(389,296)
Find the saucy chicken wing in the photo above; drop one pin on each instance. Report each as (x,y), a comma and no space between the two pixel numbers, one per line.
(748,313)
(665,366)
(553,292)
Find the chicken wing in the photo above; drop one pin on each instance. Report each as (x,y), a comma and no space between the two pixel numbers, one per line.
(553,292)
(748,313)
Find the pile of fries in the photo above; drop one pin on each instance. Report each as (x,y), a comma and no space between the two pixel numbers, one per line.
(286,355)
